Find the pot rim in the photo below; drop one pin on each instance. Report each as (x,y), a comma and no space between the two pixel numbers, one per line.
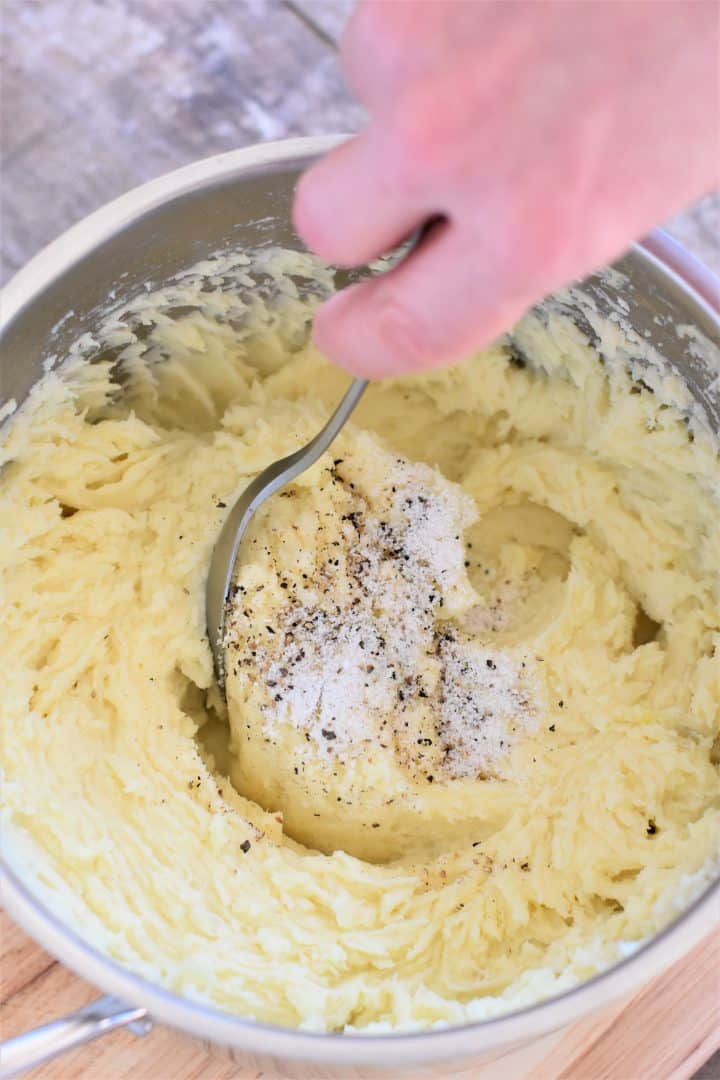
(701,286)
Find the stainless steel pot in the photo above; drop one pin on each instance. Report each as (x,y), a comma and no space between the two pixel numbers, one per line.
(243,199)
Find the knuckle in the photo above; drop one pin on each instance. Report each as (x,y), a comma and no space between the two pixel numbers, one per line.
(312,221)
(303,210)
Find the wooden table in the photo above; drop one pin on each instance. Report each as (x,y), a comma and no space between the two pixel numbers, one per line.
(99,97)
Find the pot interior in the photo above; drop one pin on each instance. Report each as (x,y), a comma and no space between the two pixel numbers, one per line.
(253,209)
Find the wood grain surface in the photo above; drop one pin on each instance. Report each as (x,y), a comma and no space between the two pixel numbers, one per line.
(327,17)
(101,95)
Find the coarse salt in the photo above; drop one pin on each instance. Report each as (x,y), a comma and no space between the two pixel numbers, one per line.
(366,650)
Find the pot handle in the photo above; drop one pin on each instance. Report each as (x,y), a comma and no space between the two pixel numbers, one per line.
(43,1043)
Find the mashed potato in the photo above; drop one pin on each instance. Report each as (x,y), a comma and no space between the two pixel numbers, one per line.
(470,752)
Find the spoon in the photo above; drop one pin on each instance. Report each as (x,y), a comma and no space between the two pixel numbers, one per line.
(275,476)
(270,480)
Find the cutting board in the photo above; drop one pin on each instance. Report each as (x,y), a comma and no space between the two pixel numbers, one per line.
(664,1032)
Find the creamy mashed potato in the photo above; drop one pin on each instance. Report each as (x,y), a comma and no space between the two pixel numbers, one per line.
(470,754)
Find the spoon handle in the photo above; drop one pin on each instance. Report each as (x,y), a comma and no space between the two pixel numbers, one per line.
(337,421)
(270,480)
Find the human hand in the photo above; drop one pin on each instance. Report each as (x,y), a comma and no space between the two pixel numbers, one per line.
(547,134)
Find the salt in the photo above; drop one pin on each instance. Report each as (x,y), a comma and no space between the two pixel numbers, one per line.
(366,650)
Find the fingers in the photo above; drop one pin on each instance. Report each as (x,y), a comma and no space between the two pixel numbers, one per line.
(349,207)
(438,306)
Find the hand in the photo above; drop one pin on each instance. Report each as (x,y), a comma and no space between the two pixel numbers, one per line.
(548,134)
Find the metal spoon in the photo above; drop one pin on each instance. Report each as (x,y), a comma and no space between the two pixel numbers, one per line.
(275,476)
(270,480)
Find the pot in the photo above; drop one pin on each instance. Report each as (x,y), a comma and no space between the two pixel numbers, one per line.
(243,199)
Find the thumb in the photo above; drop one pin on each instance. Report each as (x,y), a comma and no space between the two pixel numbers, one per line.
(437,306)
